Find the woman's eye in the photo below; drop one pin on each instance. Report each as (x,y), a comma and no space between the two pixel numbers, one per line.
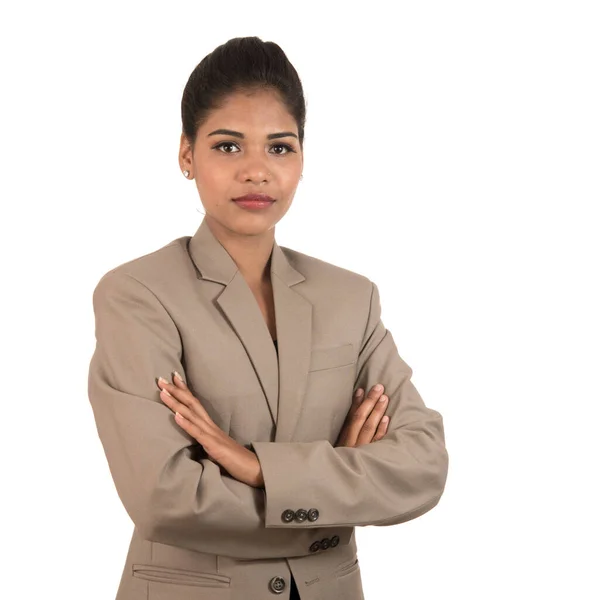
(226,144)
(287,146)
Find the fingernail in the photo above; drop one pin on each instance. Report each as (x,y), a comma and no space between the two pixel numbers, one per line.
(382,398)
(163,380)
(385,419)
(179,376)
(167,392)
(358,393)
(379,387)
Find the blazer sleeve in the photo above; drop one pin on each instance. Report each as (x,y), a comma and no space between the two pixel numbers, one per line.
(387,482)
(173,493)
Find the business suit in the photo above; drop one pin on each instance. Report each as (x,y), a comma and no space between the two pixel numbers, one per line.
(199,533)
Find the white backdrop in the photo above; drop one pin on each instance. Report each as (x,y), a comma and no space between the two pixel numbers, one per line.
(447,157)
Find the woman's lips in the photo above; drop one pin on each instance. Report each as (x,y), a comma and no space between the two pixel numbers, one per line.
(256,201)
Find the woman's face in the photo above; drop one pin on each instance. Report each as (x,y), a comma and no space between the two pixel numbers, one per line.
(229,165)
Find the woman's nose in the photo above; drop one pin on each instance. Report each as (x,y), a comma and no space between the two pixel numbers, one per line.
(257,174)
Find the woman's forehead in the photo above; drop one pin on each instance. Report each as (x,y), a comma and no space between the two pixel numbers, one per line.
(250,115)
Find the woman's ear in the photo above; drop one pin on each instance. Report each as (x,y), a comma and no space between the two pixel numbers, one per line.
(186,155)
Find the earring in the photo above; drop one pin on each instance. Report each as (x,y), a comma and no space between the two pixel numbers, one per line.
(186,173)
(301,176)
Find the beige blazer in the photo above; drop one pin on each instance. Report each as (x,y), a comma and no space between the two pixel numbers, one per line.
(199,533)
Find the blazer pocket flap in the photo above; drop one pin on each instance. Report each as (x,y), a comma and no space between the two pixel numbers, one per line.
(347,567)
(182,576)
(332,356)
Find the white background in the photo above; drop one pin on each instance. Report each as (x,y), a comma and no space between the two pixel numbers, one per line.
(447,157)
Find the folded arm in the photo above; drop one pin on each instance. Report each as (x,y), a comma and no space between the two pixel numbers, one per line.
(393,480)
(171,491)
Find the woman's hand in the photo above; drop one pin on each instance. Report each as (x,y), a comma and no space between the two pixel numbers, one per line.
(240,462)
(364,423)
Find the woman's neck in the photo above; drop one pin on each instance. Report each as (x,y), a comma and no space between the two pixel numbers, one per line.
(252,254)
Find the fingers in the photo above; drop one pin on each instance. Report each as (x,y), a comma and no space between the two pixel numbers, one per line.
(171,396)
(178,380)
(360,411)
(179,398)
(359,396)
(382,429)
(376,409)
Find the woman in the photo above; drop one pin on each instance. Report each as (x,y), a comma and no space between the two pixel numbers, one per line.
(224,370)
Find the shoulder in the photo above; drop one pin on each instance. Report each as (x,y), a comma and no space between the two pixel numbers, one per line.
(153,269)
(328,276)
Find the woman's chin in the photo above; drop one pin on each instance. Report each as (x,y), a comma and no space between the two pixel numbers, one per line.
(248,224)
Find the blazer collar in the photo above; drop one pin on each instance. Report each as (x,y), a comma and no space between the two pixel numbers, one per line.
(283,376)
(215,263)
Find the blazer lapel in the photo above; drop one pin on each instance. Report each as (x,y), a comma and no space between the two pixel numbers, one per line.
(293,319)
(283,378)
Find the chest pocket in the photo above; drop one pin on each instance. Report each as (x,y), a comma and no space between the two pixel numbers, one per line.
(329,391)
(332,357)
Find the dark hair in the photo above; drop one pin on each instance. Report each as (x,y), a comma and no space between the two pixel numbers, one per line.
(241,65)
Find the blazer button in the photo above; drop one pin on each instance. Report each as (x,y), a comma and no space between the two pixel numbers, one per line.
(301,515)
(277,584)
(313,514)
(334,541)
(287,515)
(325,543)
(315,547)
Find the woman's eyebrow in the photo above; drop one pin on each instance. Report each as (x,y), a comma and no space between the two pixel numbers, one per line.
(237,134)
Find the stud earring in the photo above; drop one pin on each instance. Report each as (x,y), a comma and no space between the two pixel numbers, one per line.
(186,173)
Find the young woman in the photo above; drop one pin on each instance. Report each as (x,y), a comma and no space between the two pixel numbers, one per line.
(225,365)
